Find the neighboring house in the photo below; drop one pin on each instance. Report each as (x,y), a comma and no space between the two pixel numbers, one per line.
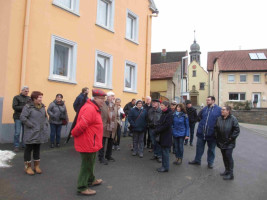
(61,46)
(238,76)
(166,81)
(173,57)
(197,84)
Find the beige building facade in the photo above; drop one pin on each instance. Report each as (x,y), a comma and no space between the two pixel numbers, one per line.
(197,84)
(239,76)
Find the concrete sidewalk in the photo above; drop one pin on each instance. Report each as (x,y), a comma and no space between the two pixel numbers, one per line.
(259,129)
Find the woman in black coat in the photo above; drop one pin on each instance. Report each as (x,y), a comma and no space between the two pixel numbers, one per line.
(164,130)
(226,132)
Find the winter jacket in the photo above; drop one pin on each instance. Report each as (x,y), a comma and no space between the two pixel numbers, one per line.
(138,124)
(208,117)
(180,126)
(153,117)
(78,101)
(192,115)
(127,108)
(105,119)
(164,128)
(19,102)
(88,132)
(147,107)
(226,132)
(57,112)
(35,122)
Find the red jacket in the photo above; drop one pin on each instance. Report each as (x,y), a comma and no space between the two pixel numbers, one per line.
(88,132)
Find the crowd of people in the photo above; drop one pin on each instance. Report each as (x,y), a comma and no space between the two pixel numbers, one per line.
(163,127)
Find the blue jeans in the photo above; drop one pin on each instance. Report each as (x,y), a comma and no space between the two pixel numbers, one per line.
(179,146)
(18,126)
(125,126)
(156,146)
(55,130)
(201,147)
(165,157)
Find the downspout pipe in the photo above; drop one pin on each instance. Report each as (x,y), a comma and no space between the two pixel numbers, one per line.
(219,86)
(173,90)
(25,44)
(148,53)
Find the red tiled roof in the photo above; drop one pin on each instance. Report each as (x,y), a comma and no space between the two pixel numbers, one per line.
(164,70)
(238,60)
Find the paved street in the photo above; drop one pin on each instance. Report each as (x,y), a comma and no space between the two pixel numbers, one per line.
(131,178)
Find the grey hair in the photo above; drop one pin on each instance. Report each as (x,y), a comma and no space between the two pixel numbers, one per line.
(148,97)
(24,87)
(117,99)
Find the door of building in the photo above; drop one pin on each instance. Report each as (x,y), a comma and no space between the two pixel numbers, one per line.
(194,100)
(256,100)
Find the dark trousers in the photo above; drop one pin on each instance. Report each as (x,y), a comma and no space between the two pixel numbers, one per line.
(192,129)
(55,131)
(108,150)
(147,140)
(138,142)
(228,160)
(86,175)
(165,157)
(28,151)
(118,136)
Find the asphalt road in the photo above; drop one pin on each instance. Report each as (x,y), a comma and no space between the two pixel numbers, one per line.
(131,178)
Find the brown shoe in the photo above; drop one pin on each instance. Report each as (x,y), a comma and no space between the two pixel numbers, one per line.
(87,192)
(37,167)
(97,182)
(28,168)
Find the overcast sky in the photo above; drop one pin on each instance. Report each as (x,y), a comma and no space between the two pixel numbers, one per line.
(220,25)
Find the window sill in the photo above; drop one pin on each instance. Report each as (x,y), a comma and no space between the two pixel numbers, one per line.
(104,27)
(102,86)
(231,82)
(130,91)
(256,82)
(61,80)
(133,41)
(66,9)
(243,82)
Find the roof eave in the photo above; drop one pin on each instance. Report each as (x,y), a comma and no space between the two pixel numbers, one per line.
(153,7)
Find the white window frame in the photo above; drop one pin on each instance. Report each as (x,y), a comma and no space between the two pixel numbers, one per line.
(135,26)
(259,78)
(239,93)
(108,78)
(75,6)
(240,78)
(71,77)
(133,89)
(228,78)
(110,15)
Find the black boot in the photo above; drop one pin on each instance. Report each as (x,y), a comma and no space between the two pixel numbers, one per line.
(224,173)
(229,176)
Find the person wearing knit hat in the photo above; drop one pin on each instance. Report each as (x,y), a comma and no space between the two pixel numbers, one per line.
(109,114)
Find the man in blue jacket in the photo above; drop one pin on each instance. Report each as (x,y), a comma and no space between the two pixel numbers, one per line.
(81,99)
(205,132)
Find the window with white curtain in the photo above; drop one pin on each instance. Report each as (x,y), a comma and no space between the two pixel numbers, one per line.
(231,78)
(105,14)
(103,70)
(132,23)
(63,60)
(69,5)
(130,77)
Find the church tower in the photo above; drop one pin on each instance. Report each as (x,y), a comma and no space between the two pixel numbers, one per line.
(195,51)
